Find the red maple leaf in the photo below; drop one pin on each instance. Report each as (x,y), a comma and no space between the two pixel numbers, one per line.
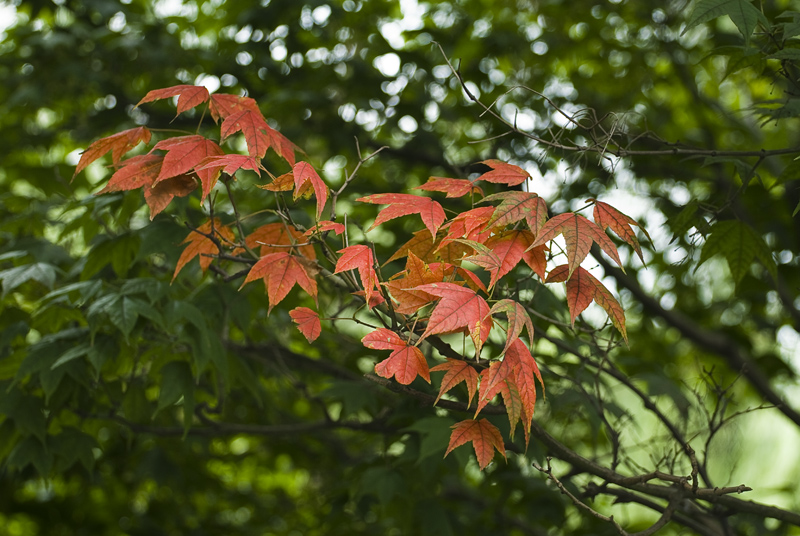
(516,206)
(452,187)
(582,288)
(304,173)
(307,321)
(190,96)
(160,194)
(503,173)
(457,371)
(135,172)
(430,211)
(406,361)
(231,163)
(607,216)
(258,135)
(118,144)
(200,245)
(359,257)
(470,225)
(579,234)
(275,237)
(186,152)
(518,318)
(460,308)
(493,381)
(510,247)
(325,226)
(281,272)
(485,438)
(223,105)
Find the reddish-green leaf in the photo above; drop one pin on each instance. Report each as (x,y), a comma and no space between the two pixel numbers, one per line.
(579,234)
(485,258)
(493,381)
(470,225)
(190,96)
(516,206)
(118,144)
(503,173)
(421,244)
(452,187)
(485,438)
(307,321)
(582,288)
(406,361)
(280,272)
(518,318)
(460,308)
(303,172)
(430,211)
(457,371)
(200,245)
(525,374)
(607,216)
(359,257)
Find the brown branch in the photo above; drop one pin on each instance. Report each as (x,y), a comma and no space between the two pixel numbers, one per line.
(736,357)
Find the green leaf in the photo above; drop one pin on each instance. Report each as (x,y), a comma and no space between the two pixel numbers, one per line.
(120,252)
(31,451)
(740,245)
(135,405)
(123,314)
(434,435)
(786,54)
(41,272)
(796,210)
(28,416)
(71,446)
(73,353)
(684,221)
(743,14)
(177,381)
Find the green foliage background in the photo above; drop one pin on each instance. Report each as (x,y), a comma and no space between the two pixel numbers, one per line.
(91,329)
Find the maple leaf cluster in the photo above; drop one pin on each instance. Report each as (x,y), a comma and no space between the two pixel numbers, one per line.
(453,267)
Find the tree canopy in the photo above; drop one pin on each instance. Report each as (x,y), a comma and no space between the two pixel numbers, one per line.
(638,156)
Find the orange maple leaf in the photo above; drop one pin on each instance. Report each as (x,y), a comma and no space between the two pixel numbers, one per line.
(406,361)
(485,438)
(201,245)
(511,247)
(281,272)
(457,371)
(307,321)
(119,144)
(160,194)
(579,234)
(582,288)
(430,211)
(275,237)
